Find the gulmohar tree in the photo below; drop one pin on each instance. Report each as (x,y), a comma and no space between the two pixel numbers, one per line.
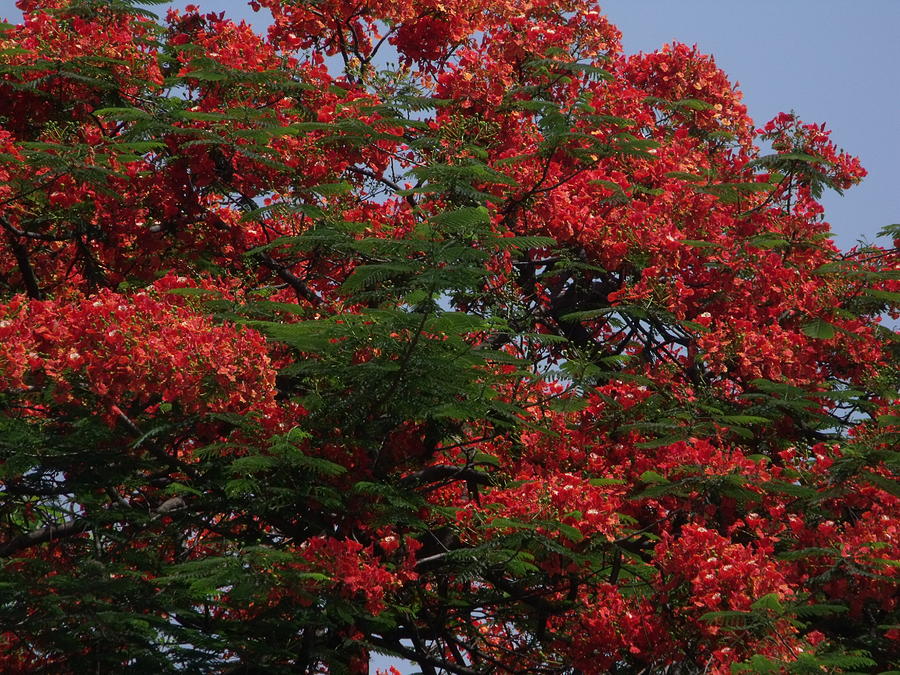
(517,355)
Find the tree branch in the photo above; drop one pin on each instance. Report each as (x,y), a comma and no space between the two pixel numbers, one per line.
(384,181)
(21,254)
(43,535)
(419,658)
(70,528)
(300,287)
(433,474)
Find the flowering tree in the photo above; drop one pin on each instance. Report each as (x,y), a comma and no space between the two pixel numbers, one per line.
(517,355)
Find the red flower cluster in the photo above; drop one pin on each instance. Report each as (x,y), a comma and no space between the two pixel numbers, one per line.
(113,353)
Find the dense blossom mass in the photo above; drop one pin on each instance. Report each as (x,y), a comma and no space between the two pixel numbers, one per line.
(439,330)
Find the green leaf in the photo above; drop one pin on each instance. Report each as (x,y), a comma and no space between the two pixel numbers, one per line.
(571,533)
(889,485)
(523,242)
(587,314)
(746,419)
(318,465)
(332,189)
(463,218)
(888,296)
(205,75)
(682,175)
(819,610)
(602,482)
(783,487)
(485,458)
(501,522)
(770,601)
(819,329)
(768,241)
(891,231)
(733,192)
(180,489)
(369,275)
(306,336)
(728,618)
(758,664)
(245,466)
(653,477)
(123,113)
(693,104)
(567,404)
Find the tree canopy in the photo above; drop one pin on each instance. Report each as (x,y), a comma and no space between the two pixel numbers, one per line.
(442,330)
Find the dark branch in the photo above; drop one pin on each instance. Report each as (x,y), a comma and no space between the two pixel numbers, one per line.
(433,474)
(384,181)
(21,254)
(43,535)
(421,659)
(300,287)
(70,528)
